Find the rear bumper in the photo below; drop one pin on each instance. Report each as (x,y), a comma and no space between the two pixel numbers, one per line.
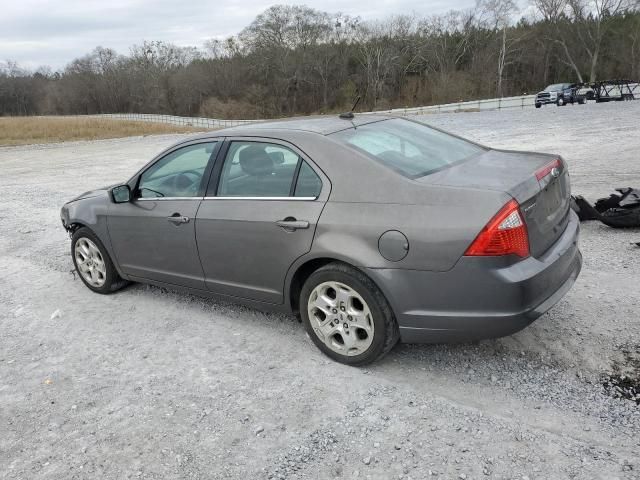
(481,297)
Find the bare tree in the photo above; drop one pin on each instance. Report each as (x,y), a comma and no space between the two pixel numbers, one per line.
(554,15)
(499,15)
(594,21)
(283,35)
(377,57)
(634,36)
(296,60)
(448,38)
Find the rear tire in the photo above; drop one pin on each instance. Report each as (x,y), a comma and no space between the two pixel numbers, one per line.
(538,105)
(93,263)
(347,316)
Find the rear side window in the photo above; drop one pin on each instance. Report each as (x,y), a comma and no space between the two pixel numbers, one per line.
(412,149)
(258,169)
(308,184)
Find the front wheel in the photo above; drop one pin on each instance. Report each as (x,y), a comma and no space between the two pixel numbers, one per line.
(346,315)
(93,263)
(560,102)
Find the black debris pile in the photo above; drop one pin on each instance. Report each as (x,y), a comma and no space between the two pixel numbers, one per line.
(623,381)
(622,386)
(620,210)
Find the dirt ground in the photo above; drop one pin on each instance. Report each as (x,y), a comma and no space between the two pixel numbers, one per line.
(153,384)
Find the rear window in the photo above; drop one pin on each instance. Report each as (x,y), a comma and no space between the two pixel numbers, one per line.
(412,149)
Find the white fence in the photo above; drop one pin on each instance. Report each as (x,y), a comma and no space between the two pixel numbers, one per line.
(174,120)
(525,101)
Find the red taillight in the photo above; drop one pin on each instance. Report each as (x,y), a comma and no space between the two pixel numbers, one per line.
(505,234)
(546,170)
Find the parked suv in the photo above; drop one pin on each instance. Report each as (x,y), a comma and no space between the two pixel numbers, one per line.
(560,94)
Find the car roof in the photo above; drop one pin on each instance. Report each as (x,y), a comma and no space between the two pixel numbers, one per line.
(320,124)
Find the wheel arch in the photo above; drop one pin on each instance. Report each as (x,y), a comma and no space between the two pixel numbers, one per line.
(73,226)
(113,279)
(94,218)
(384,318)
(299,273)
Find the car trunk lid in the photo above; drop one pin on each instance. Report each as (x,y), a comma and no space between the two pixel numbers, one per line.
(544,202)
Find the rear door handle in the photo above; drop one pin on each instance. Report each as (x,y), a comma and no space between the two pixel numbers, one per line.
(292,224)
(177,219)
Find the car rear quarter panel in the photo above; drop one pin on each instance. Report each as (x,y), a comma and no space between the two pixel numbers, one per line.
(368,199)
(439,227)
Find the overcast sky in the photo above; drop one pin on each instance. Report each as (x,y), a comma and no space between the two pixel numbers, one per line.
(44,32)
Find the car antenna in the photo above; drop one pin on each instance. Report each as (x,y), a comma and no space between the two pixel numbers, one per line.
(349,115)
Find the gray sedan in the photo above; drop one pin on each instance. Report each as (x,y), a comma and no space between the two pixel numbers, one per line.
(371,229)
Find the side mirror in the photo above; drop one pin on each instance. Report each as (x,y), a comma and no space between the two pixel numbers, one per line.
(121,194)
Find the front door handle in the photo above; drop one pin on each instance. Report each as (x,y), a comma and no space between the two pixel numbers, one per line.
(290,224)
(177,219)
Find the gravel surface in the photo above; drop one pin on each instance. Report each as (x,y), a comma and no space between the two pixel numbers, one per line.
(152,384)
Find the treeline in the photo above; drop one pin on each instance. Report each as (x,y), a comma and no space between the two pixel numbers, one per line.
(297,60)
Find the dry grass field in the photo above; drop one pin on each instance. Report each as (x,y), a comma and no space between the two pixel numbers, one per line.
(29,130)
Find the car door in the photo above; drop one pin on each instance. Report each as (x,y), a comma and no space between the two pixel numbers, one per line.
(258,217)
(153,236)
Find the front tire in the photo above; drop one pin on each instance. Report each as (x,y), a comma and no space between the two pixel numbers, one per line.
(346,315)
(93,264)
(560,102)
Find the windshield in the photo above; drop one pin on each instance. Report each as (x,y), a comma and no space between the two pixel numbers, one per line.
(410,148)
(556,87)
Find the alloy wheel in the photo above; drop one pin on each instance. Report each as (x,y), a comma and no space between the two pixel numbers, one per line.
(90,262)
(341,318)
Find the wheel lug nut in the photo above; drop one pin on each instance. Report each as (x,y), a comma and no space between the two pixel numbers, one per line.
(345,325)
(335,310)
(350,318)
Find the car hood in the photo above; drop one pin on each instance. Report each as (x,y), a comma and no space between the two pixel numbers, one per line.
(92,193)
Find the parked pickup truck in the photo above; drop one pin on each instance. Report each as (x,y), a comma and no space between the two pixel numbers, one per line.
(560,94)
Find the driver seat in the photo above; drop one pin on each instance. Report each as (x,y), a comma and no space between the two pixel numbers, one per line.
(256,163)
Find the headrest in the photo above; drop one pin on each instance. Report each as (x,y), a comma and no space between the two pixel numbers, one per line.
(254,160)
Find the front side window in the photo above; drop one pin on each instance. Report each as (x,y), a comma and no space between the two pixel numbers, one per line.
(258,169)
(178,174)
(412,149)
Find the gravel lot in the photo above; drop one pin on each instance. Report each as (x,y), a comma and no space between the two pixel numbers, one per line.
(153,384)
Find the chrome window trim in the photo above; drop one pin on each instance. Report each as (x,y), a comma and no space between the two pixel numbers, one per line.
(146,199)
(307,199)
(162,199)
